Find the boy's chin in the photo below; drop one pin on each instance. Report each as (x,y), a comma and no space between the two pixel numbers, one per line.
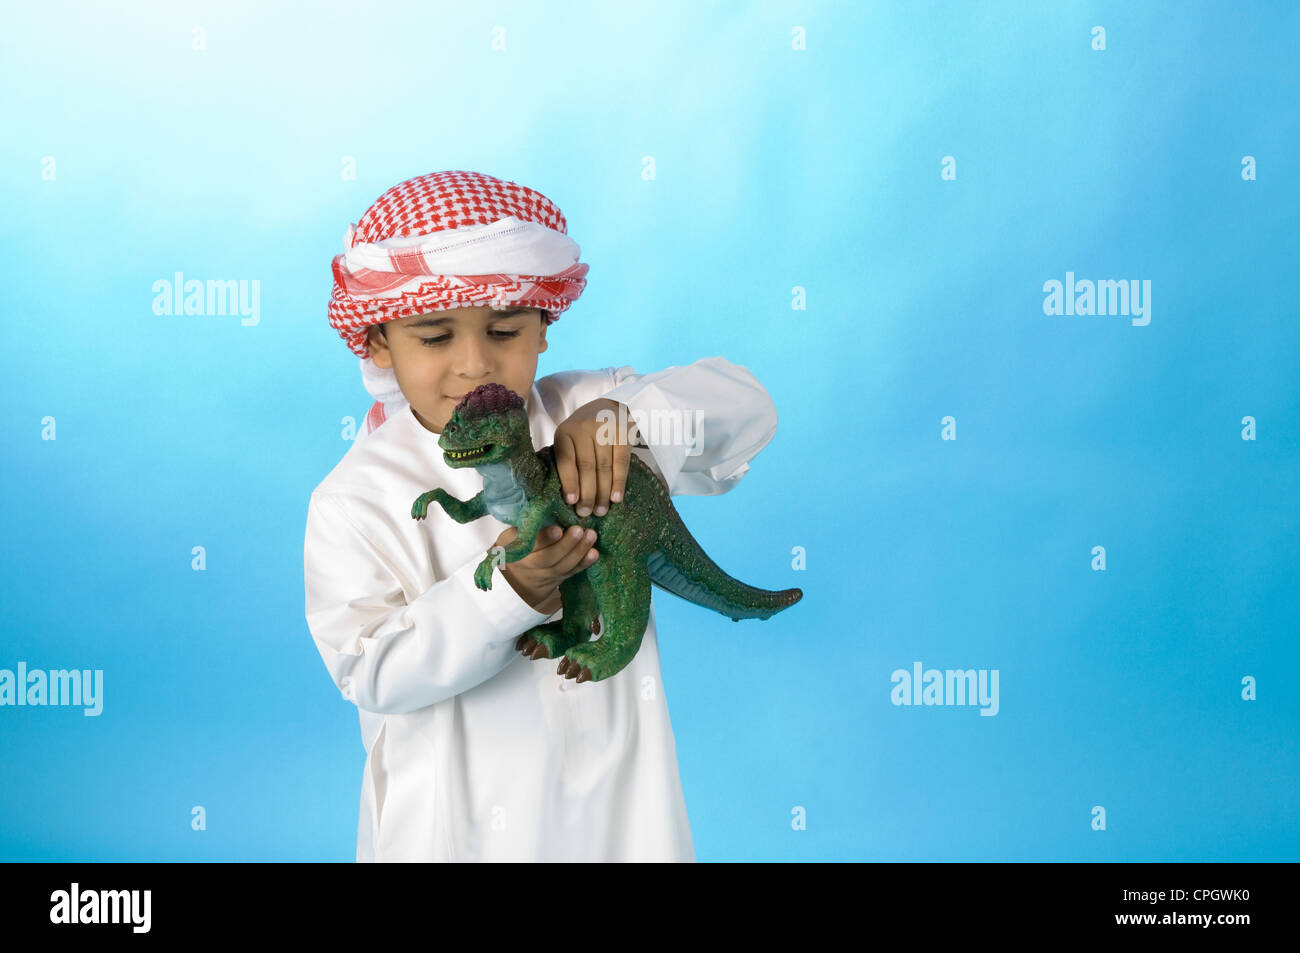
(432,419)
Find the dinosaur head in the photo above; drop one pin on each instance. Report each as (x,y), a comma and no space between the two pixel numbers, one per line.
(489,425)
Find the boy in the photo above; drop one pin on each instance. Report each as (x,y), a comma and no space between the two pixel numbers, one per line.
(473,750)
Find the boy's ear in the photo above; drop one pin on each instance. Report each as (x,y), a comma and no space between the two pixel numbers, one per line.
(377,342)
(542,338)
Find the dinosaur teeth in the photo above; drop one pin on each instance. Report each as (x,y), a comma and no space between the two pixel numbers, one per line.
(467,454)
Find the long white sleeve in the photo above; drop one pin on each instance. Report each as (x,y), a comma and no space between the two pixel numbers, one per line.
(736,419)
(388,656)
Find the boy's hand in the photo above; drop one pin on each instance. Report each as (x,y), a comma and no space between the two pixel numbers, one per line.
(555,557)
(593,473)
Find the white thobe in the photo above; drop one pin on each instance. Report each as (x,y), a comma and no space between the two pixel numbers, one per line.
(474,752)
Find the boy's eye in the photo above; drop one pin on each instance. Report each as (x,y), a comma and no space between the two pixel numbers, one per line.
(502,335)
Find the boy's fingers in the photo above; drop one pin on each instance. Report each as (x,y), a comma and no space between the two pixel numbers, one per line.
(562,550)
(604,478)
(547,538)
(582,555)
(585,452)
(621,454)
(589,557)
(546,557)
(565,463)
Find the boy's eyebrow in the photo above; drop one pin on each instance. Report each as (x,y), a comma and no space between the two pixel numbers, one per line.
(435,322)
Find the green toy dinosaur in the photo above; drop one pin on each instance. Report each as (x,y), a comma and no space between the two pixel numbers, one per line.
(642,540)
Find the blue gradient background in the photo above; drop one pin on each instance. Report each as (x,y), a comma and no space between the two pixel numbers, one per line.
(775,168)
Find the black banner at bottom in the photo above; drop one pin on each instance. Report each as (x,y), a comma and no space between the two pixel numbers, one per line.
(929,901)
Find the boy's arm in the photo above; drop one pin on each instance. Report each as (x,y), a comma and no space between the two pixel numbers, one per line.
(388,656)
(730,414)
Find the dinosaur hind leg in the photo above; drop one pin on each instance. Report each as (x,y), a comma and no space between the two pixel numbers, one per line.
(622,589)
(551,639)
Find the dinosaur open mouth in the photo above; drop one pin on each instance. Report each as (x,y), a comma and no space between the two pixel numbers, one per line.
(469,454)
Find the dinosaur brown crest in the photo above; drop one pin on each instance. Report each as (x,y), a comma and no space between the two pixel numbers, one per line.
(488,399)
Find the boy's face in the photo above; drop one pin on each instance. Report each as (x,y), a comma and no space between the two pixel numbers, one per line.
(440,357)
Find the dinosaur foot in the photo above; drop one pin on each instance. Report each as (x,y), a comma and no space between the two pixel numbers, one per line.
(592,661)
(545,641)
(531,647)
(571,669)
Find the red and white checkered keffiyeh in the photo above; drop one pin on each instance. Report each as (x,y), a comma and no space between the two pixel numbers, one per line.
(449,240)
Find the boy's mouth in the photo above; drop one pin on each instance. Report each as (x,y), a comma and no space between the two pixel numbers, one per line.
(469,454)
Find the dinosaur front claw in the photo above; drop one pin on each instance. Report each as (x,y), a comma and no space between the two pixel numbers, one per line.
(483,574)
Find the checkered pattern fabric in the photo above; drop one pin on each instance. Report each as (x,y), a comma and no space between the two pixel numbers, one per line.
(383,282)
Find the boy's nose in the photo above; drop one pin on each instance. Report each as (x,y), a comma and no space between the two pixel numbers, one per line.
(471,363)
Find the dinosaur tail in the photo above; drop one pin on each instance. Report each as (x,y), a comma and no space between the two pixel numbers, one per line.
(681,566)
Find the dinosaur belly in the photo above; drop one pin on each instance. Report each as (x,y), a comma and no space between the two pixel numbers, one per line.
(505,511)
(502,496)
